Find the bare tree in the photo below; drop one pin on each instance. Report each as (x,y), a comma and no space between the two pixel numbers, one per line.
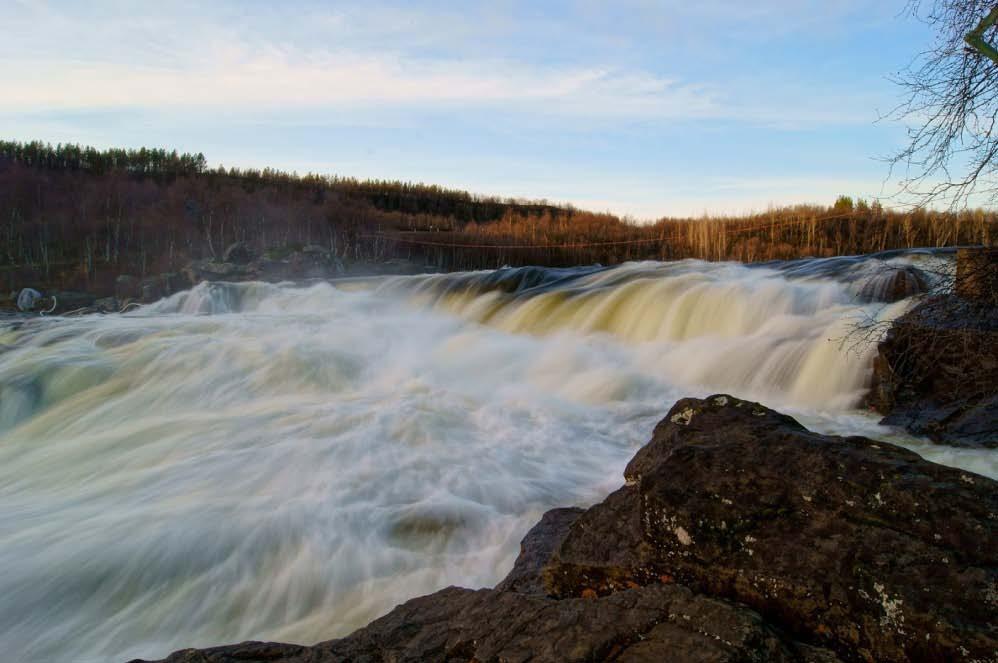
(951,107)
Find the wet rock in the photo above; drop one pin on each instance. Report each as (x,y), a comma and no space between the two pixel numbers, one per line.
(395,266)
(893,283)
(27,299)
(856,545)
(151,290)
(321,252)
(173,282)
(66,301)
(273,270)
(106,305)
(239,253)
(936,372)
(646,624)
(208,270)
(536,549)
(314,262)
(739,536)
(8,302)
(127,287)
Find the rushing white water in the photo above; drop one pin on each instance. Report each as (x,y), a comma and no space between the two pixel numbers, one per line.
(279,462)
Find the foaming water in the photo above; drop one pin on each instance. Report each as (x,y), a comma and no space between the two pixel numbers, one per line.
(278,462)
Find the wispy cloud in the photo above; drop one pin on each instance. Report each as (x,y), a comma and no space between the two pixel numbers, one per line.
(277,78)
(354,56)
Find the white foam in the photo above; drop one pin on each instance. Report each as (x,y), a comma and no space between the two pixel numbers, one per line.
(271,462)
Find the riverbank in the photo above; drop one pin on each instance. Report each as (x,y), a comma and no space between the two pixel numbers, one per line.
(239,263)
(738,536)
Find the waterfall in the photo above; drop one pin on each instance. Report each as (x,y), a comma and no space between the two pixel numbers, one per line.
(288,462)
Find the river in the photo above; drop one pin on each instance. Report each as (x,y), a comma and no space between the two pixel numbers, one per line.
(287,462)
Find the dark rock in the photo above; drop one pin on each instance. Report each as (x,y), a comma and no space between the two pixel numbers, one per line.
(936,372)
(395,266)
(151,289)
(739,536)
(207,270)
(173,282)
(314,262)
(856,545)
(107,305)
(315,250)
(977,274)
(893,284)
(536,549)
(239,253)
(8,302)
(127,287)
(273,270)
(66,301)
(645,624)
(663,622)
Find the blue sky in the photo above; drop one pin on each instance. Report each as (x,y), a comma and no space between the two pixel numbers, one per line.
(644,108)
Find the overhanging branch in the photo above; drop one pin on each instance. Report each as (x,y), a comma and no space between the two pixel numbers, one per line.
(976,36)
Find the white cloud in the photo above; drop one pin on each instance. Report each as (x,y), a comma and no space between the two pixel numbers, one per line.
(241,78)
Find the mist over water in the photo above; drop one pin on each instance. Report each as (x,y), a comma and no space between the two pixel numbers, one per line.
(283,462)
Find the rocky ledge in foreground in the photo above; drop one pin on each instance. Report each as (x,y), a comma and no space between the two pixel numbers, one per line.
(739,536)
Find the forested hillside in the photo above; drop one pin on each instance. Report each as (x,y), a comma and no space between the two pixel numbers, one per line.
(75,216)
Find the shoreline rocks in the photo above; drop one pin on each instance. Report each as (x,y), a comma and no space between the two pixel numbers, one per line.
(306,265)
(936,372)
(739,535)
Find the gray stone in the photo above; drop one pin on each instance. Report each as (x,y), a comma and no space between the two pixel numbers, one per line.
(27,299)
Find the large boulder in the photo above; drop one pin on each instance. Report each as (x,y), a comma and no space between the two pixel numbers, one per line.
(857,545)
(738,536)
(936,372)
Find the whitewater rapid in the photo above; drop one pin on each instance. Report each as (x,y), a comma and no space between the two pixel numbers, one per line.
(285,462)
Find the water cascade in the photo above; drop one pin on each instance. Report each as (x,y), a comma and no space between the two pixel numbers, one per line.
(279,461)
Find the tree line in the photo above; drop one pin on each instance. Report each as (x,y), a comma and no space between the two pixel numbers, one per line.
(165,166)
(76,216)
(778,234)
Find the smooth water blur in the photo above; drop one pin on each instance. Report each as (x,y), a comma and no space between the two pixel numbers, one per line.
(279,462)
